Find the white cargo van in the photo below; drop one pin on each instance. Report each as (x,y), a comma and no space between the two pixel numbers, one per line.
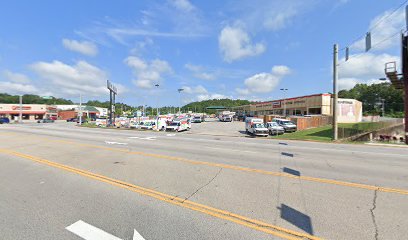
(255,126)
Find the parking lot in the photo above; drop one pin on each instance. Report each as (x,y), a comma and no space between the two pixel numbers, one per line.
(213,126)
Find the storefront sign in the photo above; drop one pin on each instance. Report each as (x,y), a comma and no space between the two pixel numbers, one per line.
(23,108)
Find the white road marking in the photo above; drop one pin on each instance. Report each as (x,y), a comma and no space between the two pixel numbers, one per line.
(117,143)
(144,138)
(171,135)
(89,232)
(137,236)
(228,149)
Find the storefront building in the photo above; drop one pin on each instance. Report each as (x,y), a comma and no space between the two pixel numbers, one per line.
(29,111)
(350,110)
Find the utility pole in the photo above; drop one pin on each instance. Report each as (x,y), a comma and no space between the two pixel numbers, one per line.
(404,56)
(335,77)
(80,109)
(20,117)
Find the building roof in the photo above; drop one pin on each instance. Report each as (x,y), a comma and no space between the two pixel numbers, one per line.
(293,98)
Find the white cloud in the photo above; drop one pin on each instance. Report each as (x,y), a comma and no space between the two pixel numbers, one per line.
(264,82)
(84,47)
(271,15)
(195,90)
(147,74)
(242,91)
(15,77)
(183,5)
(198,72)
(281,70)
(71,80)
(366,68)
(279,20)
(235,44)
(17,83)
(384,26)
(17,88)
(203,97)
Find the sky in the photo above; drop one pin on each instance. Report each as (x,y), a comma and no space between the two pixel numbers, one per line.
(239,49)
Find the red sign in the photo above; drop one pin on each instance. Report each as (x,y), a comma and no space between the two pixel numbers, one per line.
(23,108)
(276,104)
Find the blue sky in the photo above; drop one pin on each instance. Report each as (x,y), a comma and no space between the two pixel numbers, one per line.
(213,49)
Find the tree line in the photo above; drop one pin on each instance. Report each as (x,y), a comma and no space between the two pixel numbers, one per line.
(372,95)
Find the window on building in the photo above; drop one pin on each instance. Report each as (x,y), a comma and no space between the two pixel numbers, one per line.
(315,110)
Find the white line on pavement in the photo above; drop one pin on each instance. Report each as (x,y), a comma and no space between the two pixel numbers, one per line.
(137,236)
(117,143)
(145,138)
(89,232)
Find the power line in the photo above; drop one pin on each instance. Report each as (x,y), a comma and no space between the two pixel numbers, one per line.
(376,25)
(375,45)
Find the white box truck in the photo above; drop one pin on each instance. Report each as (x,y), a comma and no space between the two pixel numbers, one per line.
(255,126)
(179,125)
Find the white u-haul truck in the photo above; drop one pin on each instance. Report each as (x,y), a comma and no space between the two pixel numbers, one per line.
(256,127)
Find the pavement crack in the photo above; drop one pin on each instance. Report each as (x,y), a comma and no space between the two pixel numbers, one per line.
(373,215)
(198,189)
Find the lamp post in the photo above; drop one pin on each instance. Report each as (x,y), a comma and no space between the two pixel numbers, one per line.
(284,100)
(157,108)
(20,119)
(180,90)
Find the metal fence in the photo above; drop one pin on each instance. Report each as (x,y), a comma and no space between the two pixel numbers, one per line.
(346,130)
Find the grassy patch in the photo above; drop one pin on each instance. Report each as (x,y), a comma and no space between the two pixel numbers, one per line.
(325,133)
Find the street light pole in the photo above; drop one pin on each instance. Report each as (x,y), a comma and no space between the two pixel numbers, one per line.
(284,100)
(157,108)
(20,119)
(180,90)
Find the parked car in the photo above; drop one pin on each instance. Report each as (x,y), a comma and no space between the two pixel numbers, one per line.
(72,120)
(53,118)
(101,122)
(274,128)
(148,125)
(4,120)
(288,125)
(45,121)
(82,121)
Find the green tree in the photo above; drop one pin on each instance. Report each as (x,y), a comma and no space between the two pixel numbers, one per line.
(371,95)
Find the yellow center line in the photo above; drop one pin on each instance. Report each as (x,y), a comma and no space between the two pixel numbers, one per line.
(218,213)
(244,169)
(237,168)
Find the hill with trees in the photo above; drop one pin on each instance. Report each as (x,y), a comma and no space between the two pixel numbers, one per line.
(32,99)
(202,105)
(371,95)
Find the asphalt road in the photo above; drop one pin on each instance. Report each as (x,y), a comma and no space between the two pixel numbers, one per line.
(59,181)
